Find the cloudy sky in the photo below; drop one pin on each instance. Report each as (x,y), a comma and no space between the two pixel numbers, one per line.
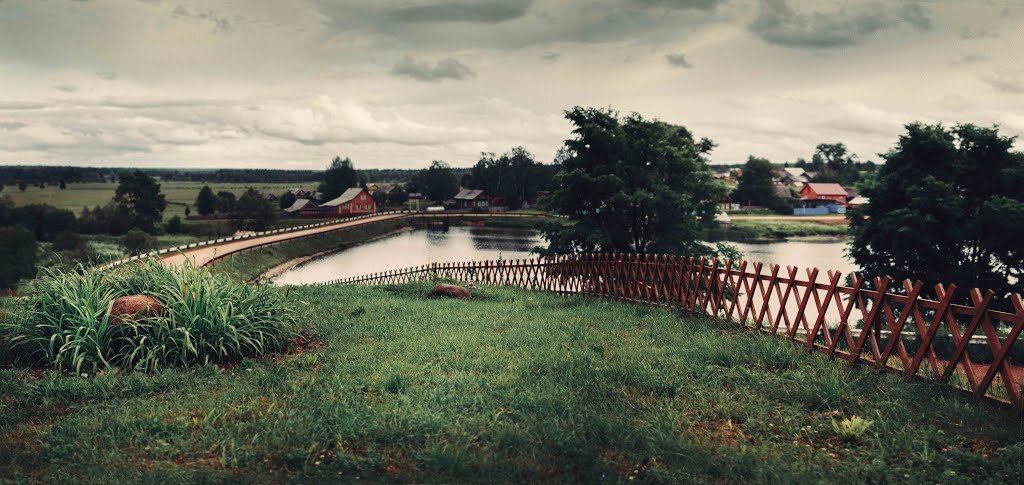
(397,83)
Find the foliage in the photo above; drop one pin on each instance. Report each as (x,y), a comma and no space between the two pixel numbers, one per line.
(174,225)
(227,202)
(65,322)
(510,386)
(632,185)
(515,177)
(340,176)
(112,219)
(832,162)
(206,201)
(286,200)
(18,255)
(947,206)
(254,212)
(137,242)
(140,195)
(438,182)
(757,186)
(852,429)
(44,220)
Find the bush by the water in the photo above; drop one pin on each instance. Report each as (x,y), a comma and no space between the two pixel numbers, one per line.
(65,322)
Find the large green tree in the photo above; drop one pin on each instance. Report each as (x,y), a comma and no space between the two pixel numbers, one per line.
(947,206)
(340,176)
(140,195)
(18,255)
(437,182)
(632,185)
(757,185)
(254,212)
(515,176)
(206,201)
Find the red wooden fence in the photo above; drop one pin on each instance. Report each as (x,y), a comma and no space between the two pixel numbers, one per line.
(877,322)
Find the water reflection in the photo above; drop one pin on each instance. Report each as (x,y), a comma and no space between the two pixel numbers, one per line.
(460,243)
(415,248)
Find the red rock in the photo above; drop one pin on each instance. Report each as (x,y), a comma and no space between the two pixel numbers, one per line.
(450,291)
(134,307)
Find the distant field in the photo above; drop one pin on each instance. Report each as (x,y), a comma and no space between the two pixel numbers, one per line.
(76,196)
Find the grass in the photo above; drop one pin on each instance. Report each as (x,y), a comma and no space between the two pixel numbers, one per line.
(179,194)
(510,386)
(248,266)
(753,230)
(66,321)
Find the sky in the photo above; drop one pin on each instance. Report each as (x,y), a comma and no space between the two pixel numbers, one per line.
(289,84)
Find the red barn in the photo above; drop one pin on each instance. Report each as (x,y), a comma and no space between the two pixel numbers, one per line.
(353,202)
(819,192)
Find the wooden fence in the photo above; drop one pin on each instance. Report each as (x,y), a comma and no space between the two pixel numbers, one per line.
(876,321)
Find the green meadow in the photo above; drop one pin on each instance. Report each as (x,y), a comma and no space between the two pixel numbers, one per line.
(509,386)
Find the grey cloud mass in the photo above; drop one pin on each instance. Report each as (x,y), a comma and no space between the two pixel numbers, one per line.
(486,12)
(780,23)
(398,83)
(449,68)
(678,60)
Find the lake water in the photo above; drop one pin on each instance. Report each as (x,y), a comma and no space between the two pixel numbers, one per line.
(461,243)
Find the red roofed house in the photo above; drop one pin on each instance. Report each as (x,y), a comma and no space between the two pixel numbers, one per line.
(824,192)
(353,202)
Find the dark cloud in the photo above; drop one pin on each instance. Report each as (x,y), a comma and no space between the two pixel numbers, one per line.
(678,60)
(448,68)
(492,12)
(550,56)
(107,75)
(683,4)
(67,88)
(779,23)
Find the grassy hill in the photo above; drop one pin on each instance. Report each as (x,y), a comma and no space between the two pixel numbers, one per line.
(509,386)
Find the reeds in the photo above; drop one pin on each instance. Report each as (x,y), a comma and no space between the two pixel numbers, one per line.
(65,322)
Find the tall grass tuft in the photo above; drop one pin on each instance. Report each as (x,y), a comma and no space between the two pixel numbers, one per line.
(65,322)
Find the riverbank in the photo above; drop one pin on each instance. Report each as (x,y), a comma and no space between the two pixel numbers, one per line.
(292,263)
(508,386)
(753,230)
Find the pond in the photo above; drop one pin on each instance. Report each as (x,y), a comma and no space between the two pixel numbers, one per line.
(461,243)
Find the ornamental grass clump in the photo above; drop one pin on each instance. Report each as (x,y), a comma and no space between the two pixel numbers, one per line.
(65,323)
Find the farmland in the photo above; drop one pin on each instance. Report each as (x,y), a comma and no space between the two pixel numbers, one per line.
(179,194)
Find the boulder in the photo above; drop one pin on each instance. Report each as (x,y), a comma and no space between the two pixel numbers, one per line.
(450,291)
(134,307)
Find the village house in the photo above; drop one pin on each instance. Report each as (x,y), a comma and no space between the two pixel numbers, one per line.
(470,198)
(354,201)
(303,208)
(825,193)
(794,176)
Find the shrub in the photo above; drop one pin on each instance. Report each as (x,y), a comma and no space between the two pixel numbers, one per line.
(174,225)
(852,429)
(18,255)
(65,322)
(136,242)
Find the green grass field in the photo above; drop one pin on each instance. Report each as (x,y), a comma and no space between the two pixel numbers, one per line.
(510,386)
(755,230)
(76,196)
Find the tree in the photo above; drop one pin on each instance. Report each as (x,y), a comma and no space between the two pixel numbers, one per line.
(188,211)
(206,202)
(437,182)
(140,195)
(63,185)
(22,186)
(340,176)
(515,177)
(757,185)
(44,220)
(946,207)
(137,242)
(19,253)
(226,202)
(632,185)
(287,199)
(254,212)
(174,225)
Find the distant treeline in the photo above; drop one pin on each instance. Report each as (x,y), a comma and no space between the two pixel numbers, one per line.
(53,175)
